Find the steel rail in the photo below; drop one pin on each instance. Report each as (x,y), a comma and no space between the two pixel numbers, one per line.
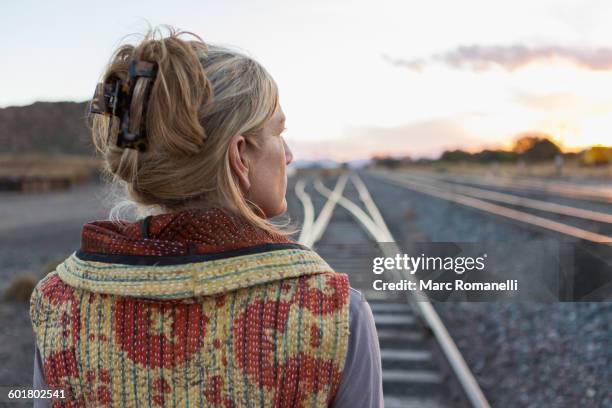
(499,210)
(304,197)
(570,190)
(320,224)
(370,226)
(366,198)
(418,300)
(516,200)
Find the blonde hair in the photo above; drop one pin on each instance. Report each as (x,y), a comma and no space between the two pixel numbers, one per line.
(202,96)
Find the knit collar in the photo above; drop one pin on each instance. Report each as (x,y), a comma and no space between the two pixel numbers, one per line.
(190,231)
(185,254)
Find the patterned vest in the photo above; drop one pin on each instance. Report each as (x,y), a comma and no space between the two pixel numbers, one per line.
(196,308)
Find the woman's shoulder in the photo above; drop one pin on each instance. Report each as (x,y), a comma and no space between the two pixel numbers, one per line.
(359,308)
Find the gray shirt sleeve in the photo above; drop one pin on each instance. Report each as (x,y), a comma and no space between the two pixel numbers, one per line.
(361,382)
(39,381)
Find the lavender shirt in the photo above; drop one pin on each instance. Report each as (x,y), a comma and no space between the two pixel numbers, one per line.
(361,382)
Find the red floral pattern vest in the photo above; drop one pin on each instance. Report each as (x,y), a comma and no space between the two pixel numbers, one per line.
(196,308)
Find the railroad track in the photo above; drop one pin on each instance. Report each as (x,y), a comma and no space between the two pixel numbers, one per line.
(590,232)
(559,188)
(494,202)
(422,366)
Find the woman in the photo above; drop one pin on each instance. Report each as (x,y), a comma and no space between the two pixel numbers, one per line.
(203,301)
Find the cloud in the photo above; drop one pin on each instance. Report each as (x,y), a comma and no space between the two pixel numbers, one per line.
(416,65)
(512,57)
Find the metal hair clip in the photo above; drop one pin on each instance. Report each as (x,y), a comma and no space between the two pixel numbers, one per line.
(113,98)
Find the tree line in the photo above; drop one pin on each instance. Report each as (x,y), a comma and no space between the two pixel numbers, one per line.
(532,147)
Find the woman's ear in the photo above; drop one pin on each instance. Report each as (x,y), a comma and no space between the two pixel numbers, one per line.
(238,160)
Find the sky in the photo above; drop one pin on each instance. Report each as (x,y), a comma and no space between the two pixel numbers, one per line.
(356,78)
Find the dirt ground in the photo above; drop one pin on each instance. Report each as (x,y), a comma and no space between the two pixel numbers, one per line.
(36,229)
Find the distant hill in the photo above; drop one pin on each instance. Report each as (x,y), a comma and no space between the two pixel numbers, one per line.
(45,127)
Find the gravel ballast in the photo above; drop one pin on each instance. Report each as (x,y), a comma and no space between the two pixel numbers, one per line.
(523,354)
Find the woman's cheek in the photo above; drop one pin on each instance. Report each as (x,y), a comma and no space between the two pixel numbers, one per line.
(283,171)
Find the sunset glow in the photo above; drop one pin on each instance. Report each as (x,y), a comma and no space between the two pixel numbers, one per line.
(359,78)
